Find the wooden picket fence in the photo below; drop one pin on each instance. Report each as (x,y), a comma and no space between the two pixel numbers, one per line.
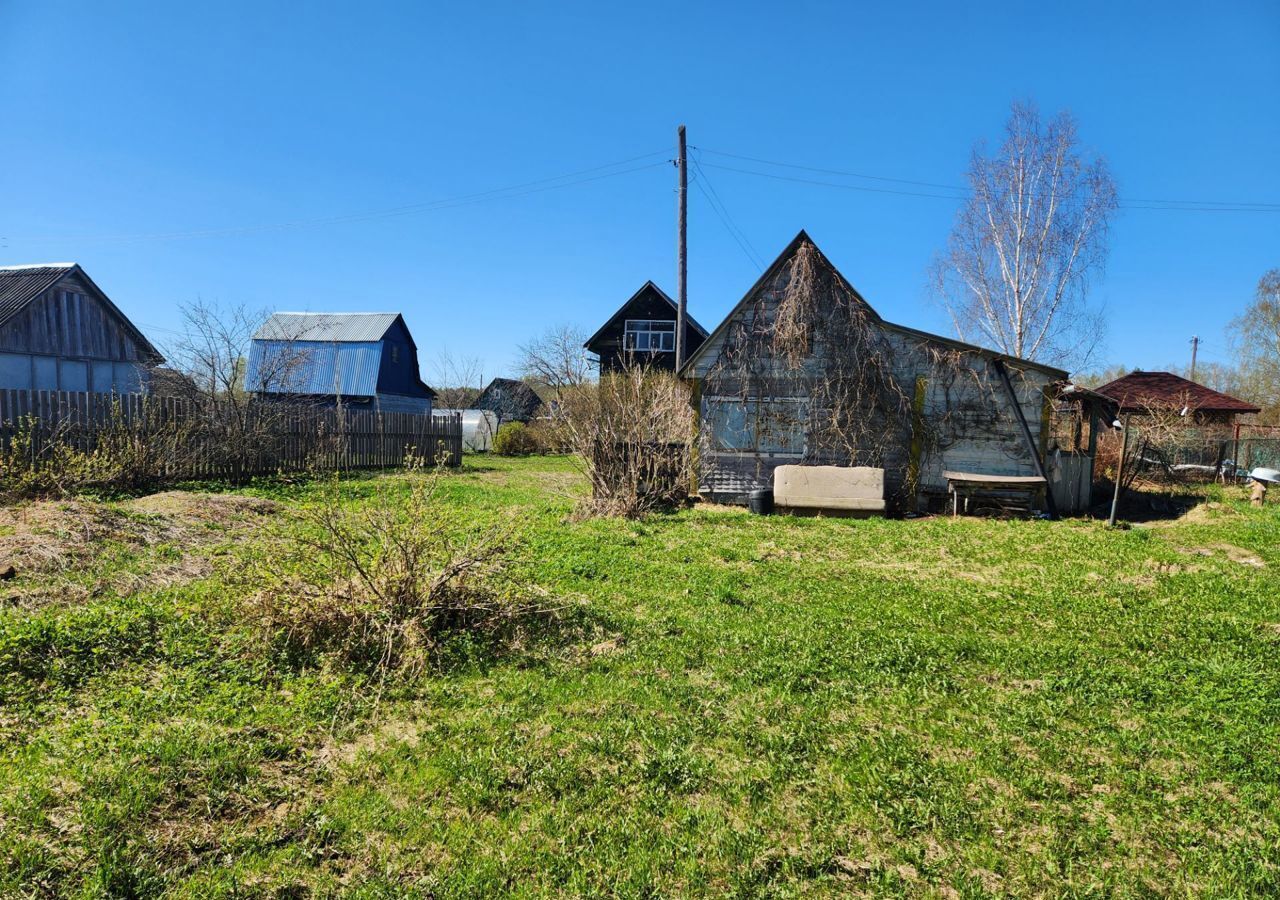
(196,438)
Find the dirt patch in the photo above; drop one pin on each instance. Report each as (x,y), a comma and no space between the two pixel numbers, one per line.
(58,537)
(1230,551)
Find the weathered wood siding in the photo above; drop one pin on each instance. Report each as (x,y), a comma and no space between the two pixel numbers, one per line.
(67,339)
(965,421)
(68,321)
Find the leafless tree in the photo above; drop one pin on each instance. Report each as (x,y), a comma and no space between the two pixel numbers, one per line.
(556,360)
(1256,338)
(211,355)
(457,380)
(1028,241)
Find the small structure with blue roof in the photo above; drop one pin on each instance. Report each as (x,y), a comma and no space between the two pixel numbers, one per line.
(364,360)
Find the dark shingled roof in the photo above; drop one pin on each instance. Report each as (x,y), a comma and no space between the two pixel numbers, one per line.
(513,401)
(19,285)
(1140,391)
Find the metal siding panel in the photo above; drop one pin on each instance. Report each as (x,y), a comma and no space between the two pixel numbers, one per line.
(73,375)
(15,371)
(102,377)
(322,368)
(44,373)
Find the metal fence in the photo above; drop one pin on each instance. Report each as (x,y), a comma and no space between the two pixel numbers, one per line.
(204,438)
(1205,453)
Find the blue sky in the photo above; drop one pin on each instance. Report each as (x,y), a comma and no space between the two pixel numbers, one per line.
(129,126)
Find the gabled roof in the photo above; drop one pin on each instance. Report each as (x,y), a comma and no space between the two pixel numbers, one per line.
(1163,390)
(647,286)
(20,285)
(785,256)
(327,327)
(325,353)
(514,397)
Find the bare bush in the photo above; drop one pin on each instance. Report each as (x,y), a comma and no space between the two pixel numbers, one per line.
(385,580)
(632,432)
(61,457)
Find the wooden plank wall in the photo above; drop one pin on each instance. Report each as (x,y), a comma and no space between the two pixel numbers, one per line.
(293,437)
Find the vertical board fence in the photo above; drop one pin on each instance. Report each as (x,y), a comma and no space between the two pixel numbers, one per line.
(193,438)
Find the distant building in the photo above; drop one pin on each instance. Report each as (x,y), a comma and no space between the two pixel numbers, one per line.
(644,330)
(510,400)
(60,332)
(356,359)
(1144,393)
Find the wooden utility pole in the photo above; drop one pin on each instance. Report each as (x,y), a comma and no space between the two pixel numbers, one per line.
(682,245)
(1195,345)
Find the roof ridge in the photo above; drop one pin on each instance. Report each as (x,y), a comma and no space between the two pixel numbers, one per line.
(50,265)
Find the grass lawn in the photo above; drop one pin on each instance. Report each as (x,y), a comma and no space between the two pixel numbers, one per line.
(726,706)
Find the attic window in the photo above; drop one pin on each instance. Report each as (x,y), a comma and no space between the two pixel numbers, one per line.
(654,336)
(395,354)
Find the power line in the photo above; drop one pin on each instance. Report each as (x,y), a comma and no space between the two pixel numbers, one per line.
(1125,202)
(722,212)
(504,193)
(832,184)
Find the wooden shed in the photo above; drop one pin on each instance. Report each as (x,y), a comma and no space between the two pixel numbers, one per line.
(803,370)
(60,332)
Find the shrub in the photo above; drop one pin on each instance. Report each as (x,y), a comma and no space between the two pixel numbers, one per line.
(383,582)
(515,439)
(632,432)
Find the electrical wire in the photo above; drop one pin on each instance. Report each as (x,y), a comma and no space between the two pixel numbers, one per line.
(519,190)
(722,212)
(1124,202)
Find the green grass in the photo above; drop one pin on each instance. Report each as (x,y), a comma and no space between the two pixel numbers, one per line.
(736,706)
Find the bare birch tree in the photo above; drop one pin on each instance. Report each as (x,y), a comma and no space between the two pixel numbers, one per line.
(1256,338)
(1027,243)
(556,359)
(457,380)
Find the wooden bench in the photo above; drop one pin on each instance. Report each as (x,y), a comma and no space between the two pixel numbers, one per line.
(838,489)
(1006,491)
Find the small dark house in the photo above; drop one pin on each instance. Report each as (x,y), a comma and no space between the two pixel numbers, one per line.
(60,332)
(510,400)
(356,359)
(644,329)
(1145,393)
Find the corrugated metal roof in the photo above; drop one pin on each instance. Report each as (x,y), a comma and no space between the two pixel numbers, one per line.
(314,367)
(357,327)
(19,285)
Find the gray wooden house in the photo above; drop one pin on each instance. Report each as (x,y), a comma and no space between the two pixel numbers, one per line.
(358,360)
(60,332)
(804,371)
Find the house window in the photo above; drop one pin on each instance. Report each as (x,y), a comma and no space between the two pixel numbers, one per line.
(646,335)
(773,427)
(395,354)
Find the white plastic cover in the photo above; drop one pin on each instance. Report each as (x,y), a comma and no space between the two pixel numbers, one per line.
(478,428)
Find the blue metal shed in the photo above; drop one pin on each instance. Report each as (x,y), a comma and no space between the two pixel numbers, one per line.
(357,359)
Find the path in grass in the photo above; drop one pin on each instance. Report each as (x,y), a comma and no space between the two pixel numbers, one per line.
(746,706)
